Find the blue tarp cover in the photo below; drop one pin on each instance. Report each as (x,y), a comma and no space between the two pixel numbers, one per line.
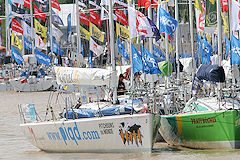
(212,73)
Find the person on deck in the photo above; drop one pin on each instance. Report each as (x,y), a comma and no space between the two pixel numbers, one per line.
(121,86)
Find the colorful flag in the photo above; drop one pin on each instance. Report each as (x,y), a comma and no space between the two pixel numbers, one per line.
(207,52)
(120,3)
(235,18)
(42,58)
(57,33)
(84,33)
(198,6)
(167,24)
(145,3)
(16,26)
(136,60)
(39,14)
(200,20)
(26,29)
(83,18)
(16,55)
(121,17)
(96,33)
(211,13)
(90,59)
(94,4)
(235,50)
(95,18)
(225,23)
(158,54)
(149,62)
(224,4)
(27,3)
(69,33)
(122,50)
(227,44)
(27,44)
(141,25)
(93,46)
(155,3)
(16,42)
(39,43)
(55,4)
(56,48)
(56,19)
(40,29)
(122,31)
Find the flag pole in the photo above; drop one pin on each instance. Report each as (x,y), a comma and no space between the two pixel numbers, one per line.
(177,42)
(78,30)
(50,23)
(32,31)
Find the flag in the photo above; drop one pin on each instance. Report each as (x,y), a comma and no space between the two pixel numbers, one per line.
(158,54)
(104,14)
(42,58)
(136,60)
(155,3)
(26,3)
(26,17)
(120,3)
(16,55)
(224,4)
(16,42)
(122,31)
(21,2)
(40,29)
(167,24)
(235,18)
(39,43)
(82,49)
(211,13)
(95,18)
(96,33)
(56,48)
(198,6)
(121,17)
(225,23)
(235,50)
(83,18)
(200,20)
(149,62)
(207,52)
(27,44)
(141,25)
(81,4)
(69,29)
(16,26)
(94,4)
(90,59)
(227,44)
(26,29)
(57,33)
(55,4)
(84,33)
(93,46)
(145,3)
(56,19)
(122,50)
(39,14)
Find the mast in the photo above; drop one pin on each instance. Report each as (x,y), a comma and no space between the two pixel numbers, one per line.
(219,28)
(50,18)
(111,26)
(78,30)
(177,42)
(191,34)
(7,28)
(32,31)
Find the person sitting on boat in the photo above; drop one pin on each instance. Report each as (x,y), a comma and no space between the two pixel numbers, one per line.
(121,85)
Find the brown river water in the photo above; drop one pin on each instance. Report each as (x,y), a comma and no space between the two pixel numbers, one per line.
(14,146)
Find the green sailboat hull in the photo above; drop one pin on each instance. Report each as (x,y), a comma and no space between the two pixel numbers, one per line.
(212,129)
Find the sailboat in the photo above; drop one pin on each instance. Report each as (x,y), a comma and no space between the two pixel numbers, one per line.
(102,127)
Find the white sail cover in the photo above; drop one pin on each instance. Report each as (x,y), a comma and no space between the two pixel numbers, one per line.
(85,76)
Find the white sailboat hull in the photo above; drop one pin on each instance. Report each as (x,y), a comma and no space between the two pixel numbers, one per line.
(105,134)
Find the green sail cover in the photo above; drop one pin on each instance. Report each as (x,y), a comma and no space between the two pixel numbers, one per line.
(165,67)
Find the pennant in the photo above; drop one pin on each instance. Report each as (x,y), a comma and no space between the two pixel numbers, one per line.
(84,33)
(56,19)
(227,44)
(16,26)
(136,60)
(95,18)
(94,4)
(225,23)
(122,31)
(39,43)
(141,25)
(167,24)
(224,4)
(96,33)
(93,46)
(211,13)
(158,54)
(122,50)
(200,20)
(145,3)
(235,18)
(90,59)
(26,29)
(121,17)
(149,62)
(39,14)
(56,48)
(26,3)
(27,44)
(235,50)
(40,29)
(83,18)
(16,42)
(57,33)
(16,55)
(55,4)
(42,58)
